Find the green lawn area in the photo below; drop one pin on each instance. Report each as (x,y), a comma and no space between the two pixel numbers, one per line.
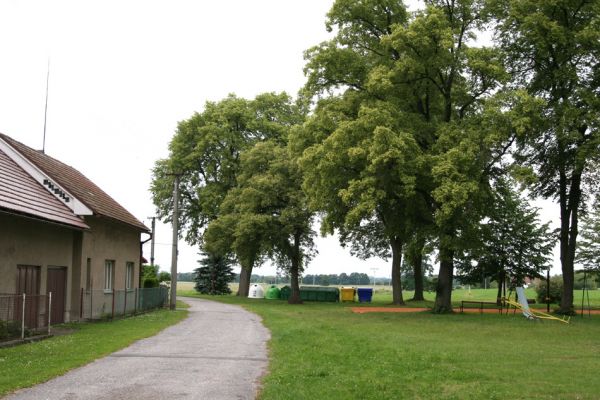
(30,364)
(324,351)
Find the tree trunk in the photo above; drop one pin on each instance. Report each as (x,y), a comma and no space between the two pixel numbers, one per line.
(244,288)
(443,293)
(569,208)
(295,272)
(501,278)
(396,274)
(417,261)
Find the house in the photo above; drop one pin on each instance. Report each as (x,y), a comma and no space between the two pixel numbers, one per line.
(61,233)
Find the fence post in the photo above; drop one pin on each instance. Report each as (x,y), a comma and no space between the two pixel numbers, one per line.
(113,304)
(81,305)
(136,301)
(23,318)
(49,311)
(125,303)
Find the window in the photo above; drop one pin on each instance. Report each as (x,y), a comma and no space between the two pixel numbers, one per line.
(128,275)
(109,275)
(88,277)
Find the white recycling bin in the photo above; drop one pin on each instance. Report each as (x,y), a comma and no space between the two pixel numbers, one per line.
(256,292)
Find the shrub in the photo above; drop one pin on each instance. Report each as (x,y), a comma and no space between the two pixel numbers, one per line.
(150,282)
(556,288)
(164,276)
(11,329)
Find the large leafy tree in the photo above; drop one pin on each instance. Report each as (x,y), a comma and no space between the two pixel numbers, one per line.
(403,142)
(553,50)
(205,152)
(511,241)
(268,211)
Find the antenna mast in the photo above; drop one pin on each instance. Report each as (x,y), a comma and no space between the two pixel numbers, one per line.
(46,106)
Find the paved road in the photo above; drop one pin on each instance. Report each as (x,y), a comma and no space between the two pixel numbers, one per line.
(218,352)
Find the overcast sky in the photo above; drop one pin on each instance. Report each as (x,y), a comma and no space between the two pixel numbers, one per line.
(123,73)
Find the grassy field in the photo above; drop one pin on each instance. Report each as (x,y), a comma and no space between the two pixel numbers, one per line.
(324,351)
(30,364)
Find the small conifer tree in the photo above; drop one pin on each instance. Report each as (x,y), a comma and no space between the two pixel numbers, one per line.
(214,274)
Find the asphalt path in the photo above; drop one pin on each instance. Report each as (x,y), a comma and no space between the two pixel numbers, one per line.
(218,352)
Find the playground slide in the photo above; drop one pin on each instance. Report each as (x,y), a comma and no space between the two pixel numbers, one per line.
(524,304)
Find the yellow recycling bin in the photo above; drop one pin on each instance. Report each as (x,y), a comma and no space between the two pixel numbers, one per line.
(348,293)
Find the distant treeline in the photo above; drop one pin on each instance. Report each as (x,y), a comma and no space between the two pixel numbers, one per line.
(355,278)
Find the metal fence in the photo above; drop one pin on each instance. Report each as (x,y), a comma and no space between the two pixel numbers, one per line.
(101,304)
(23,315)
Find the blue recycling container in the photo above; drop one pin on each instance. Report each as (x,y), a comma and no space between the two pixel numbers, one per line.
(365,295)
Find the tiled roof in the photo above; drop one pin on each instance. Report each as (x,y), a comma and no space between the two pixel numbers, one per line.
(77,184)
(20,193)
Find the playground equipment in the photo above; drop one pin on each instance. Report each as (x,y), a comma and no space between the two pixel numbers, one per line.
(522,304)
(585,294)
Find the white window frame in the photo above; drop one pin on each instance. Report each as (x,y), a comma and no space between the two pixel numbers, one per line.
(109,275)
(129,268)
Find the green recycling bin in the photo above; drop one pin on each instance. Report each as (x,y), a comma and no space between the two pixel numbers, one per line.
(319,293)
(285,292)
(273,293)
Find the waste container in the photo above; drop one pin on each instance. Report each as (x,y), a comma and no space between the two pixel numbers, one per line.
(285,292)
(348,293)
(273,293)
(364,295)
(319,293)
(256,292)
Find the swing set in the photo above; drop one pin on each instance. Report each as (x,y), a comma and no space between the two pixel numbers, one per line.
(585,295)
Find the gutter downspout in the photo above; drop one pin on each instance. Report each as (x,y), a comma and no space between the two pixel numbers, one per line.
(142,243)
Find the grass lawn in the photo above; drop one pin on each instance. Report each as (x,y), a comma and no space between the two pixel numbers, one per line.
(324,351)
(30,364)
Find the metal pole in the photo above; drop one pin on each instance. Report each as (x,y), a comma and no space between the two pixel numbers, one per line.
(81,305)
(46,107)
(583,293)
(49,311)
(548,290)
(23,318)
(175,238)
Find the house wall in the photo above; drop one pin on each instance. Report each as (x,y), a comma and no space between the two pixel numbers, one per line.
(108,240)
(25,241)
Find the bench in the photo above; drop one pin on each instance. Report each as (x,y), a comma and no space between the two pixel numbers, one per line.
(480,304)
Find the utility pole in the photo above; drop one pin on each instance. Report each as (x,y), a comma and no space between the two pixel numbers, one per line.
(374,272)
(152,242)
(175,239)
